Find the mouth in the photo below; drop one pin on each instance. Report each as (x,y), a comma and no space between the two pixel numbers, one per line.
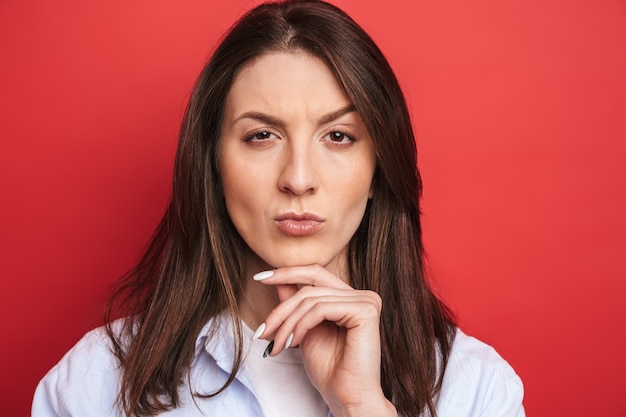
(298,224)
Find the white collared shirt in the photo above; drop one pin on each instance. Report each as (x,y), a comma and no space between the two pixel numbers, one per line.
(477,382)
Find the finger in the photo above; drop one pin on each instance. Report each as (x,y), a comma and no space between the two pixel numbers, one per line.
(305,296)
(360,310)
(290,303)
(284,292)
(358,318)
(314,275)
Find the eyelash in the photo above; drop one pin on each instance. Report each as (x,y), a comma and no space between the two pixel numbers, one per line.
(252,135)
(351,139)
(267,134)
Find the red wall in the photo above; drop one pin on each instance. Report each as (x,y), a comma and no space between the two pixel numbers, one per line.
(519,109)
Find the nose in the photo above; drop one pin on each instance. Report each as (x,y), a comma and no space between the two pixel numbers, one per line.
(298,174)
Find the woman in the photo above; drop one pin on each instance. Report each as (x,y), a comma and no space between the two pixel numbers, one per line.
(295,212)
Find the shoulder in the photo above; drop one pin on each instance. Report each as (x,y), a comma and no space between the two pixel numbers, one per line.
(479,382)
(84,382)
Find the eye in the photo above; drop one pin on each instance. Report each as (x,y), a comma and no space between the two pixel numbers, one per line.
(259,136)
(339,137)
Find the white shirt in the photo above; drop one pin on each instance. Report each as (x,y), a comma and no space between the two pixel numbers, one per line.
(280,383)
(477,382)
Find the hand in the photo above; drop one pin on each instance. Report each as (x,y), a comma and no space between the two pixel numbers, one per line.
(337,328)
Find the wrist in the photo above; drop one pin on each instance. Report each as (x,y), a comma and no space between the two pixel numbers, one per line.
(375,408)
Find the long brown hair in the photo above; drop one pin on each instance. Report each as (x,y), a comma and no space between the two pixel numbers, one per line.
(193,267)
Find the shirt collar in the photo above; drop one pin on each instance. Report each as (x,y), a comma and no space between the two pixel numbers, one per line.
(217,339)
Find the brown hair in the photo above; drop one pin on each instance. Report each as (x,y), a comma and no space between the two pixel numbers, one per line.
(193,267)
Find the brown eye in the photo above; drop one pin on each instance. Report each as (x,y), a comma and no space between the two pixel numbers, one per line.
(259,136)
(338,137)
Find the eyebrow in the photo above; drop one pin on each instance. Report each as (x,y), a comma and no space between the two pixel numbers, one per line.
(271,120)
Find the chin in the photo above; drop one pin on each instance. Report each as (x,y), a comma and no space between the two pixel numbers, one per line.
(306,257)
(302,260)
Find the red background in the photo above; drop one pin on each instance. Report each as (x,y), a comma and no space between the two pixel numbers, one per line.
(519,108)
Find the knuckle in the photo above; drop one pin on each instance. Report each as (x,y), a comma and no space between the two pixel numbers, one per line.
(308,303)
(371,309)
(376,300)
(317,270)
(316,308)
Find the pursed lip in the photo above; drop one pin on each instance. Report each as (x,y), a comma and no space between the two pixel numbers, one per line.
(299,224)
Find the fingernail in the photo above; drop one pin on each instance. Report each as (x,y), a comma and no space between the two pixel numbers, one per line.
(289,340)
(262,275)
(259,331)
(268,349)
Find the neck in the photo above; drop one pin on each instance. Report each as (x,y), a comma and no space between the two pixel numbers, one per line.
(258,299)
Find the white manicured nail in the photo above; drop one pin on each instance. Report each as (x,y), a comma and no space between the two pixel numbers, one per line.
(263,275)
(259,331)
(289,340)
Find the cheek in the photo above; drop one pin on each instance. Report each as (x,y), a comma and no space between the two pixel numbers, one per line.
(245,194)
(235,186)
(363,185)
(351,197)
(238,193)
(354,206)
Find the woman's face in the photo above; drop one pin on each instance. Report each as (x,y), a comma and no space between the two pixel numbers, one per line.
(296,161)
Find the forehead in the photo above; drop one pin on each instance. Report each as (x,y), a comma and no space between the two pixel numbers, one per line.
(284,81)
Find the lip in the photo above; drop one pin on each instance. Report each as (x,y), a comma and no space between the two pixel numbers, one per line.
(299,224)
